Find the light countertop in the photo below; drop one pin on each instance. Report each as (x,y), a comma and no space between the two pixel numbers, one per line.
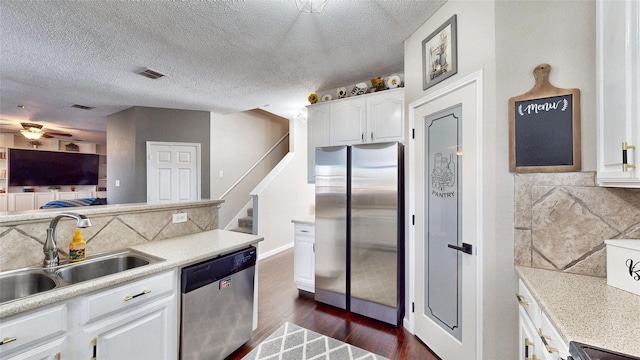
(309,220)
(177,252)
(585,309)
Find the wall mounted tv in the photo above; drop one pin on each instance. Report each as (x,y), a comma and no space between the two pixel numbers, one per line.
(38,168)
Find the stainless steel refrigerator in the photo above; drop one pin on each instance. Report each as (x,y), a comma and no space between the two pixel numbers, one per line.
(359,244)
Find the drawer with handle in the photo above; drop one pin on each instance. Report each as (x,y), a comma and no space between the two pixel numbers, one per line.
(305,230)
(530,305)
(553,347)
(30,329)
(128,295)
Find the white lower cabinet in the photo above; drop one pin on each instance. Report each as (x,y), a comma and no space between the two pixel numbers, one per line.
(304,257)
(136,320)
(52,350)
(141,333)
(34,335)
(537,338)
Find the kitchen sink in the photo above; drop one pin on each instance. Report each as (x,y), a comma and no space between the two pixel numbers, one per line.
(102,266)
(16,285)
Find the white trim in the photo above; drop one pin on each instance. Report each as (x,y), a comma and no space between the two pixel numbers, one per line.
(477,79)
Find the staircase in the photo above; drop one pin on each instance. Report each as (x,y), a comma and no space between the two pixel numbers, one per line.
(245,224)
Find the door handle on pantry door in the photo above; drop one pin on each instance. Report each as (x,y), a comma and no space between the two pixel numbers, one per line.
(465,248)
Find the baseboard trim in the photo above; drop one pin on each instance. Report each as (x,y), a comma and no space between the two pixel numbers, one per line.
(275,251)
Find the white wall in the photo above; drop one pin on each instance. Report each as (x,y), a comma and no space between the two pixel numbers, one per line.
(476,50)
(286,196)
(507,39)
(238,141)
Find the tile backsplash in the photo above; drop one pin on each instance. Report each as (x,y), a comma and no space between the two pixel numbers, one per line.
(562,220)
(22,243)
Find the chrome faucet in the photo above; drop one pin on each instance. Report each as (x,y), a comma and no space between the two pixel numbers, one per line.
(50,249)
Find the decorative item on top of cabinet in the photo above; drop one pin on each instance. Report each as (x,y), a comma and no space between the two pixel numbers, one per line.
(369,118)
(544,127)
(617,92)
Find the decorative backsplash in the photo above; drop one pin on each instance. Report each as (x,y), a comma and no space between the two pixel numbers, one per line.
(22,244)
(562,220)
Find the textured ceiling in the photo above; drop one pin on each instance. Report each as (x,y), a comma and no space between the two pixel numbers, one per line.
(219,56)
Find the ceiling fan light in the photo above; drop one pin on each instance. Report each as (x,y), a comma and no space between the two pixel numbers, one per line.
(311,6)
(32,133)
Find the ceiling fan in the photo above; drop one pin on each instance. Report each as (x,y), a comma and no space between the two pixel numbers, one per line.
(33,131)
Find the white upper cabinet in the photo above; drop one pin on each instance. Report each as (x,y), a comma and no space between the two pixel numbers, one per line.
(348,121)
(369,118)
(618,92)
(317,135)
(386,117)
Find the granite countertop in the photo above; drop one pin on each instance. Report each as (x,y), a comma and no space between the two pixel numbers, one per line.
(309,220)
(177,252)
(585,309)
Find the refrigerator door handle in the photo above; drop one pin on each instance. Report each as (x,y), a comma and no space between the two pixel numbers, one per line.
(465,248)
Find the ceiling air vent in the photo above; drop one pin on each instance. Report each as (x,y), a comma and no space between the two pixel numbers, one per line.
(83,107)
(151,74)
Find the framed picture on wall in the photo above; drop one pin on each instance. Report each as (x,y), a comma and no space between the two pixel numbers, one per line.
(440,54)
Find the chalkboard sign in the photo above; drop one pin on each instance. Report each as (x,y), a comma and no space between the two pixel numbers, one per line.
(544,127)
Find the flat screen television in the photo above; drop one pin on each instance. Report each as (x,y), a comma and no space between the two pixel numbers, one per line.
(39,168)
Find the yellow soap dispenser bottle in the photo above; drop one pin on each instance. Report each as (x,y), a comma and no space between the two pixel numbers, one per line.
(77,247)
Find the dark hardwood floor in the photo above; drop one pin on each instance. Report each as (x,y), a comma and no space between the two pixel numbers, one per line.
(279,301)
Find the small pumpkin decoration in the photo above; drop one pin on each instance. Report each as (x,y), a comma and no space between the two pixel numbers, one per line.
(313,98)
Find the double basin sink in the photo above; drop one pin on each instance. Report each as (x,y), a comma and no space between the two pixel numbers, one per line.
(17,284)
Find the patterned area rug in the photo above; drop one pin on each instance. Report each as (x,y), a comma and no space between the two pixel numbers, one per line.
(292,342)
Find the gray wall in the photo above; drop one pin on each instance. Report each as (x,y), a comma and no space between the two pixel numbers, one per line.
(127,134)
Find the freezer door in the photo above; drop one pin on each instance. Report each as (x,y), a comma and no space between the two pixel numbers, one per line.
(331,225)
(376,230)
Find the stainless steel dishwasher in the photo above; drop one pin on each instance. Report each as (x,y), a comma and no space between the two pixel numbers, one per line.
(217,305)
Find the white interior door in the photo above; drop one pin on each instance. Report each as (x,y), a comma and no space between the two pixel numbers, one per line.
(448,182)
(173,172)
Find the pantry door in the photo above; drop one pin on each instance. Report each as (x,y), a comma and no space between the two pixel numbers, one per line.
(173,172)
(447,233)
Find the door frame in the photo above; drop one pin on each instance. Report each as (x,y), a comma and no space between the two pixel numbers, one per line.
(475,79)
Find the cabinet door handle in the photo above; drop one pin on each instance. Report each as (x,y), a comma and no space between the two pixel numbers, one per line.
(8,340)
(527,343)
(94,343)
(362,137)
(372,136)
(625,165)
(129,297)
(304,231)
(521,300)
(546,344)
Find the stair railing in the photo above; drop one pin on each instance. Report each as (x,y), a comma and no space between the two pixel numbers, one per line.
(285,136)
